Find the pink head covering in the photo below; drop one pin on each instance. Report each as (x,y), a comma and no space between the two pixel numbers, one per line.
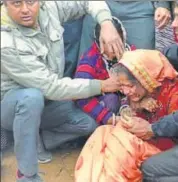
(150,67)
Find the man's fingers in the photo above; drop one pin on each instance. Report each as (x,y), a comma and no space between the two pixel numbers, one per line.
(121,50)
(101,45)
(162,23)
(158,17)
(163,19)
(121,45)
(117,50)
(109,47)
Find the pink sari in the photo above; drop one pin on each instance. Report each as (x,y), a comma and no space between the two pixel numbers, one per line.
(112,155)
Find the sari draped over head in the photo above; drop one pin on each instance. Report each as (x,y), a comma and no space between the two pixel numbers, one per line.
(112,154)
(150,67)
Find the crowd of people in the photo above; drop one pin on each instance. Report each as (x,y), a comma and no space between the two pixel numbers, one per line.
(79,69)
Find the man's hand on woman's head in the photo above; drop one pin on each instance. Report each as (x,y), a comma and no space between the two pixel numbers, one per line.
(111,84)
(162,17)
(111,39)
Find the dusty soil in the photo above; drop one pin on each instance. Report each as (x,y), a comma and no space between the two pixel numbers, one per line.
(59,170)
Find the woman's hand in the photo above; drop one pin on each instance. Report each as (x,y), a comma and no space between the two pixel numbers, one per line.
(162,17)
(146,103)
(149,104)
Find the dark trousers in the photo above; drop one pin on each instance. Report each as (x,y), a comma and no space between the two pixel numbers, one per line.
(162,167)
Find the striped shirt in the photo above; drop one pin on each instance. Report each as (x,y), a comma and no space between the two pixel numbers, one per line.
(92,66)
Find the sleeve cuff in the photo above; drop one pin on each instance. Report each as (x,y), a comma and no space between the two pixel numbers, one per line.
(103,16)
(95,86)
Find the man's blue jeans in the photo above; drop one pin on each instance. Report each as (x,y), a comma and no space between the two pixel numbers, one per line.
(72,36)
(162,167)
(25,111)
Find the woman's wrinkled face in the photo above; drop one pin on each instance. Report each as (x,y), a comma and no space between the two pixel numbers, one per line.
(23,12)
(133,90)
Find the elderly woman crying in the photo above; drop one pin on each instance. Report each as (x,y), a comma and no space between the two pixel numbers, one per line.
(151,85)
(114,153)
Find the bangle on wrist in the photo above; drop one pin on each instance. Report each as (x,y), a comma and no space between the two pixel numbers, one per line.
(113,119)
(123,107)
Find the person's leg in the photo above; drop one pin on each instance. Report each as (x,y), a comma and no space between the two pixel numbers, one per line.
(142,37)
(63,121)
(44,156)
(21,111)
(87,35)
(138,20)
(72,36)
(162,167)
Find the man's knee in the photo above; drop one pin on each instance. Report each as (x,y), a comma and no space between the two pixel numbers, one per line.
(87,125)
(92,125)
(28,112)
(148,167)
(31,99)
(152,168)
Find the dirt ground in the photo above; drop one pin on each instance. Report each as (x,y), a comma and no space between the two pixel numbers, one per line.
(59,170)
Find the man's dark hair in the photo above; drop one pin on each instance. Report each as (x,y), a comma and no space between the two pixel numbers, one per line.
(117,25)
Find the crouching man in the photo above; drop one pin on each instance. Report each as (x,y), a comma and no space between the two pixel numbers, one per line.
(32,83)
